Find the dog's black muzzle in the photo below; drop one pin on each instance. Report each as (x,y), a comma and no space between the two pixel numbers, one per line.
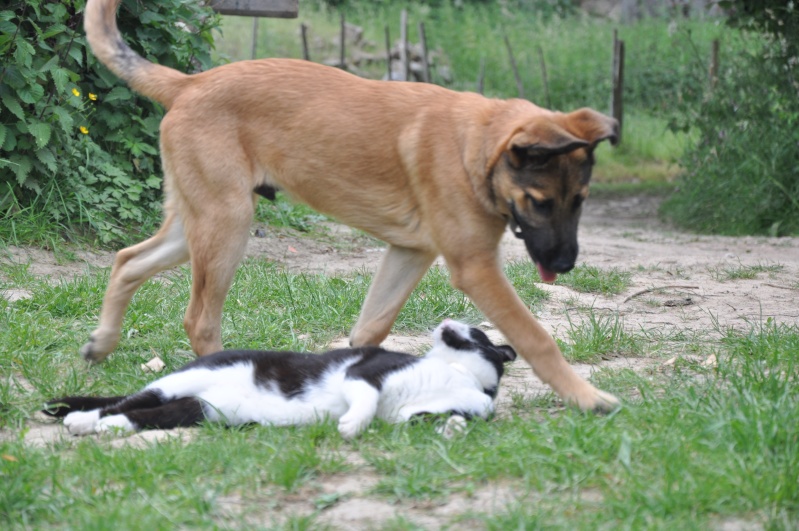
(546,248)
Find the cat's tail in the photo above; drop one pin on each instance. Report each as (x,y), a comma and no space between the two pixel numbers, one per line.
(64,406)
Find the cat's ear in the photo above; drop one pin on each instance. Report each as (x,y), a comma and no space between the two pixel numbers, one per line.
(508,354)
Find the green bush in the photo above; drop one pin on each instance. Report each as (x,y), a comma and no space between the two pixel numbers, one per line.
(742,177)
(75,143)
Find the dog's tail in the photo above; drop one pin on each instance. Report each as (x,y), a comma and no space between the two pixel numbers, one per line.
(64,406)
(160,83)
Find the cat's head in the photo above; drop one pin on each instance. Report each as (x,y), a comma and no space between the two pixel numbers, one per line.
(459,344)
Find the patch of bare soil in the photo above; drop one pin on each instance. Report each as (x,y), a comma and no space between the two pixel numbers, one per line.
(681,283)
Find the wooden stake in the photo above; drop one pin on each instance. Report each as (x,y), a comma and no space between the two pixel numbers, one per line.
(617,96)
(342,62)
(425,63)
(254,37)
(714,64)
(481,75)
(519,86)
(304,35)
(388,54)
(544,76)
(404,63)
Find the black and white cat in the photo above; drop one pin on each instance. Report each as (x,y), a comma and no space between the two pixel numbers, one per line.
(460,375)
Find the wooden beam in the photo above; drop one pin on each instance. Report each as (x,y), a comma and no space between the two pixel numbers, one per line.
(257,8)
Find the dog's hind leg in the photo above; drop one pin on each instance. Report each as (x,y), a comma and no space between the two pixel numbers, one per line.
(217,239)
(132,267)
(400,271)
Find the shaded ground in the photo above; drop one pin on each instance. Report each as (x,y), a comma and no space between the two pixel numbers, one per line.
(681,283)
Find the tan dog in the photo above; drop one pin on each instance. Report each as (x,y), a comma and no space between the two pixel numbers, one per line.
(427,170)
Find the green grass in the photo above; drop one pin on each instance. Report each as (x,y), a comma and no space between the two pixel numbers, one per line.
(591,279)
(692,447)
(597,337)
(744,272)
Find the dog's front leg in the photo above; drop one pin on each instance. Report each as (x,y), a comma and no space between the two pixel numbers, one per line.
(400,271)
(481,278)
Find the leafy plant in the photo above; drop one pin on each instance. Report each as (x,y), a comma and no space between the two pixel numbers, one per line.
(70,132)
(741,176)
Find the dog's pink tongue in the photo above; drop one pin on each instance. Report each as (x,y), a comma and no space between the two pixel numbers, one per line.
(546,274)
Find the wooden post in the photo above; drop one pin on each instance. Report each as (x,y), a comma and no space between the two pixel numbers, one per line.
(617,97)
(342,60)
(253,53)
(404,63)
(544,76)
(519,86)
(481,75)
(714,64)
(388,54)
(304,35)
(256,8)
(425,62)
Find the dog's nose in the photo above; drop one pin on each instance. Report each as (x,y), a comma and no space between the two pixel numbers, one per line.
(562,265)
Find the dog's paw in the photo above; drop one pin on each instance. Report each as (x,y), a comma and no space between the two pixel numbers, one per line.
(350,425)
(115,424)
(91,353)
(594,400)
(606,403)
(98,347)
(82,422)
(455,425)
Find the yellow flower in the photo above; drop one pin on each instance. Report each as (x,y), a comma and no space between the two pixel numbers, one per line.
(76,92)
(92,97)
(84,130)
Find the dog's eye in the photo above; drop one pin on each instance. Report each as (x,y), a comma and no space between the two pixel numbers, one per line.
(578,202)
(541,207)
(538,161)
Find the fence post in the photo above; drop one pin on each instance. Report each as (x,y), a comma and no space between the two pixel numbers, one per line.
(404,63)
(388,53)
(617,96)
(519,86)
(304,36)
(714,64)
(544,76)
(481,75)
(425,62)
(254,37)
(342,61)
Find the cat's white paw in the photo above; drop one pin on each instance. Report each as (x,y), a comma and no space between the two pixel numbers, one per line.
(455,425)
(82,422)
(115,423)
(351,425)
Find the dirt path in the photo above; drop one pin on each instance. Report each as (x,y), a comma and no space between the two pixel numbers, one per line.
(681,283)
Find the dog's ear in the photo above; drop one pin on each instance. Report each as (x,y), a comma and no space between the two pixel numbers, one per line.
(535,145)
(592,126)
(508,354)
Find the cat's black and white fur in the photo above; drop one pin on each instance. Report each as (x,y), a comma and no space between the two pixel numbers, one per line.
(460,375)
